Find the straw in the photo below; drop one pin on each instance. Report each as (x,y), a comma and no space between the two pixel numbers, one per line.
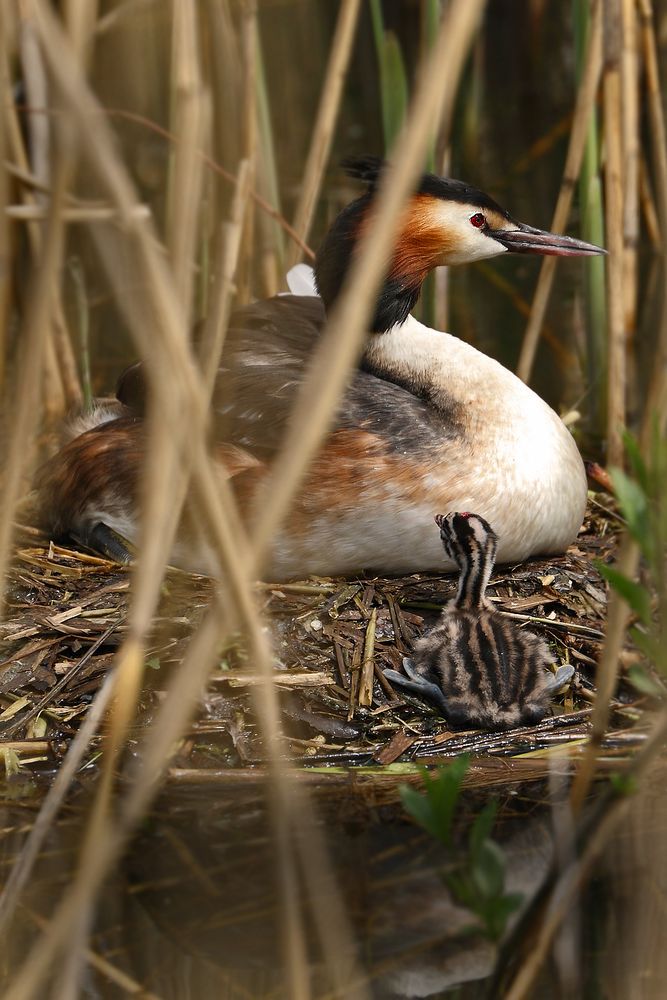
(325,121)
(586,95)
(613,172)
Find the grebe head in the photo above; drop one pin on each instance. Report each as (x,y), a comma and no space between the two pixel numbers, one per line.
(444,222)
(464,536)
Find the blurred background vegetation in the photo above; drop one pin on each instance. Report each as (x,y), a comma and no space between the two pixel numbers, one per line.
(255,88)
(509,137)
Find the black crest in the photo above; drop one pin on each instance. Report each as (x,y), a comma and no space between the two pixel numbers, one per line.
(364,168)
(371,168)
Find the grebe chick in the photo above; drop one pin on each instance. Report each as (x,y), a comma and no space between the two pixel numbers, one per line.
(476,665)
(426,423)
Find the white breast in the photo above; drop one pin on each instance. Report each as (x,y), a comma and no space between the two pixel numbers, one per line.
(517,465)
(523,471)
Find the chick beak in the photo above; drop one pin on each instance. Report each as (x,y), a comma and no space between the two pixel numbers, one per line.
(526,239)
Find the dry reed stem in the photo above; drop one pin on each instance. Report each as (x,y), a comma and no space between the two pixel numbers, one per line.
(455,40)
(149,571)
(656,388)
(5,239)
(213,165)
(229,537)
(613,168)
(325,122)
(61,362)
(217,321)
(584,107)
(367,672)
(103,159)
(249,145)
(55,796)
(189,125)
(571,880)
(157,750)
(631,151)
(339,345)
(96,213)
(648,208)
(111,841)
(269,260)
(38,128)
(607,674)
(115,975)
(34,339)
(80,19)
(54,393)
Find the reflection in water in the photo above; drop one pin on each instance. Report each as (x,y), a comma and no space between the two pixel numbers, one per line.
(206,878)
(193,911)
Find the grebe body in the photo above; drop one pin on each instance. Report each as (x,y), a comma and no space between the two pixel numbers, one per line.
(427,421)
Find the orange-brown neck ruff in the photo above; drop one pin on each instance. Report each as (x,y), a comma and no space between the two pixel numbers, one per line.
(420,247)
(422,244)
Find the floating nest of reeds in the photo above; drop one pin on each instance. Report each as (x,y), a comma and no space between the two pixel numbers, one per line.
(332,638)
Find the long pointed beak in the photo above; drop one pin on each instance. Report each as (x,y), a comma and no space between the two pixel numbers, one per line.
(525,239)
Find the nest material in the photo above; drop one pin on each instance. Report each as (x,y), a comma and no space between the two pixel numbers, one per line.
(333,638)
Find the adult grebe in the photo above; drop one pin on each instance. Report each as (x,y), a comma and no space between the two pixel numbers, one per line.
(427,422)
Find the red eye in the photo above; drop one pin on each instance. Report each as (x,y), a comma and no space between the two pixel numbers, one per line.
(478,220)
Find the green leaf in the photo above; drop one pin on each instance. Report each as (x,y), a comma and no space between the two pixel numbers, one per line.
(637,463)
(624,784)
(634,595)
(481,828)
(642,681)
(463,890)
(421,810)
(153,663)
(435,809)
(377,21)
(633,503)
(651,647)
(394,87)
(488,870)
(497,912)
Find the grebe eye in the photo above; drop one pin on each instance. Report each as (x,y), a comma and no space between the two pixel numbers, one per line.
(478,220)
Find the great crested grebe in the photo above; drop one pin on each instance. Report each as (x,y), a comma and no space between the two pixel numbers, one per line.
(426,422)
(477,666)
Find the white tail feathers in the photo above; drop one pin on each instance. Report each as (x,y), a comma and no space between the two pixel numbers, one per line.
(301,280)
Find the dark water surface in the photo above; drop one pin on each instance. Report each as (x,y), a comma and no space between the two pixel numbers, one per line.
(193,910)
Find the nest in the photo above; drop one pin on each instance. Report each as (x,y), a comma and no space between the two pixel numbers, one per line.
(332,638)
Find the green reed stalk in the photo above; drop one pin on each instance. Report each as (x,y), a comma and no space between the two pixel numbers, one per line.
(593,230)
(393,78)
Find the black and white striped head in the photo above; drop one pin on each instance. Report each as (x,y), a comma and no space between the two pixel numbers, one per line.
(463,535)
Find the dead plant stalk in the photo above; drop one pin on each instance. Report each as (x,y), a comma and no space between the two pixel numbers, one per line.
(585,104)
(184,408)
(325,122)
(34,339)
(655,396)
(614,196)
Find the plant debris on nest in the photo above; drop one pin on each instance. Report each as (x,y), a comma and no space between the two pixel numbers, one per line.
(333,638)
